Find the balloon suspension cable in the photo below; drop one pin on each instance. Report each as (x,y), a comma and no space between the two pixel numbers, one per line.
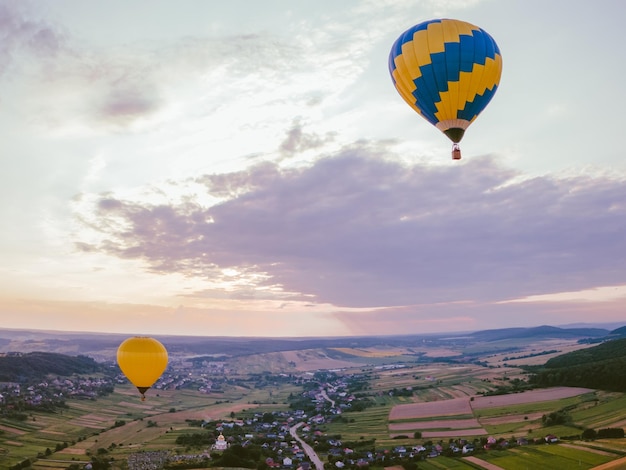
(143,390)
(456,152)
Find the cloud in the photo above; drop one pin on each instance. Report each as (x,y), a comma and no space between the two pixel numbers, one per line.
(363,230)
(75,87)
(23,33)
(298,141)
(73,84)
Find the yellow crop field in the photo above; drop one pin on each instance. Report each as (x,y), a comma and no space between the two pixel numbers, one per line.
(371,352)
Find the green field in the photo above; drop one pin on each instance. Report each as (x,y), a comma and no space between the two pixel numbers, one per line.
(545,457)
(527,408)
(364,425)
(604,413)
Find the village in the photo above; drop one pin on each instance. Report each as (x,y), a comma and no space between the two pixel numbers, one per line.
(293,438)
(296,439)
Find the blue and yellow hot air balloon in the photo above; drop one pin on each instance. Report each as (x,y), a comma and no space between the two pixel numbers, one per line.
(448,71)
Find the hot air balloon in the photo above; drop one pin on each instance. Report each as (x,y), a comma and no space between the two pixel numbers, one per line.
(142,361)
(448,71)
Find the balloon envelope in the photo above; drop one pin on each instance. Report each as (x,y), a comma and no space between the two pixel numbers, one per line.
(447,71)
(142,361)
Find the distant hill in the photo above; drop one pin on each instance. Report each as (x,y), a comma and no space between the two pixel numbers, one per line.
(619,331)
(102,346)
(602,366)
(539,332)
(37,365)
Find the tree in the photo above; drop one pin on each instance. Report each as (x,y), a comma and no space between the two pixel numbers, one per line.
(589,434)
(611,433)
(100,463)
(556,417)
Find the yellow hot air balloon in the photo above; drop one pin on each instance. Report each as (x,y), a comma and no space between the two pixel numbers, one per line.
(142,360)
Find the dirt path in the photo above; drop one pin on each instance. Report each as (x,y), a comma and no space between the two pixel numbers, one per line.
(482,463)
(589,449)
(619,464)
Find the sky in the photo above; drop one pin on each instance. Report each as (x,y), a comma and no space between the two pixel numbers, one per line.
(247,168)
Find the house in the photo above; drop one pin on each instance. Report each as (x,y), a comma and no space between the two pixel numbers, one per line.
(400,450)
(270,463)
(491,442)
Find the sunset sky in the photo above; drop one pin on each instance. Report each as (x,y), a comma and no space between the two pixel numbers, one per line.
(247,168)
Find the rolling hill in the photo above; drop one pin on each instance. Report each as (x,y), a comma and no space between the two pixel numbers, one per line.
(602,366)
(34,365)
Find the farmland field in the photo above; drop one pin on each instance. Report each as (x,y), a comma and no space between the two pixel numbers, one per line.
(436,400)
(533,396)
(89,425)
(463,417)
(549,457)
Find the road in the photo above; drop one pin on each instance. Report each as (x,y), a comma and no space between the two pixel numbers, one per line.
(307,448)
(327,398)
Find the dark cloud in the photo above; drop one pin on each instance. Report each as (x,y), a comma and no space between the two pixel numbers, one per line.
(360,229)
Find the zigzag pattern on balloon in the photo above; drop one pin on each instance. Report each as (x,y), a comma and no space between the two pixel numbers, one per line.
(446,70)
